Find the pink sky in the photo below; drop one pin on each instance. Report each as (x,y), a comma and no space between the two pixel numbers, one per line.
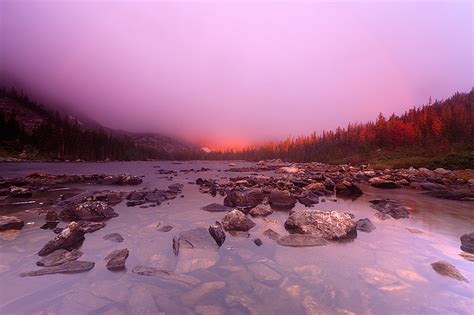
(231,73)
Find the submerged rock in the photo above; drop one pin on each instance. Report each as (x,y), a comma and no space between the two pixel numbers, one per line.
(165,228)
(258,242)
(114,237)
(452,194)
(89,211)
(446,269)
(271,234)
(67,267)
(467,243)
(166,276)
(216,207)
(365,225)
(59,257)
(281,200)
(390,207)
(71,237)
(328,225)
(237,221)
(116,259)
(217,232)
(300,240)
(10,223)
(196,249)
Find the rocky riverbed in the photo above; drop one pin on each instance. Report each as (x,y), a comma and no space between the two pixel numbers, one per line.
(239,238)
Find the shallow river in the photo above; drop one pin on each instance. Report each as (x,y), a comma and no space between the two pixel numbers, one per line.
(384,272)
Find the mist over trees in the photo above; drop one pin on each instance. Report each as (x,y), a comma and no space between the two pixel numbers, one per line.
(438,128)
(59,137)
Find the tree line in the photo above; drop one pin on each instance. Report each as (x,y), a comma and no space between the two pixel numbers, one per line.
(61,138)
(432,129)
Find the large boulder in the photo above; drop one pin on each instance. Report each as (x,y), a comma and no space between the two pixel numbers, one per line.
(467,243)
(389,207)
(328,225)
(237,221)
(70,238)
(88,211)
(10,223)
(244,200)
(281,200)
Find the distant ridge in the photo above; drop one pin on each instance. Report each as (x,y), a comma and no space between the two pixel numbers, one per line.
(30,131)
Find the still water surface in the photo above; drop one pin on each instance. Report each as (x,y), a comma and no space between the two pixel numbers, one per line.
(384,272)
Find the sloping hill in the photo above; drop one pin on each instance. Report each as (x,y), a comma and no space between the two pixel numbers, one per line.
(30,131)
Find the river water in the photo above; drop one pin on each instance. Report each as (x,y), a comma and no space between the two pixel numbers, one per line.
(384,272)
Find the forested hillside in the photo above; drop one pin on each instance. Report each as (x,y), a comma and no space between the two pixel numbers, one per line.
(441,132)
(29,131)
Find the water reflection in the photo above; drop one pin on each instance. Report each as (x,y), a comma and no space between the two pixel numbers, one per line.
(384,272)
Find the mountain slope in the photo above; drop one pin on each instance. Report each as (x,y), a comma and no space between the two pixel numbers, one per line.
(29,131)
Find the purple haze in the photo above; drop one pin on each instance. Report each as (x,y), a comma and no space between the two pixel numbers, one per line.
(230,73)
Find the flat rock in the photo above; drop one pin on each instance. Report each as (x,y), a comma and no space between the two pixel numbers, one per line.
(467,243)
(301,240)
(237,221)
(390,207)
(216,207)
(114,237)
(116,259)
(328,225)
(10,223)
(70,238)
(217,232)
(74,266)
(59,257)
(196,249)
(281,200)
(260,211)
(166,276)
(446,269)
(365,225)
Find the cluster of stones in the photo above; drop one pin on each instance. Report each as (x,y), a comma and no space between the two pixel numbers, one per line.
(153,197)
(304,181)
